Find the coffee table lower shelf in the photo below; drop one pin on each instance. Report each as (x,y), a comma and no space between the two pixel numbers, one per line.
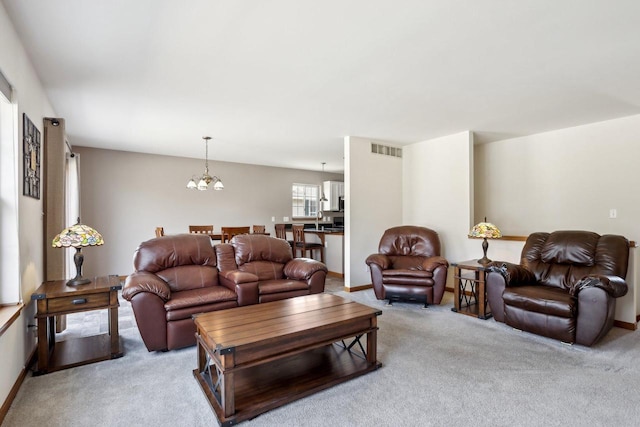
(261,388)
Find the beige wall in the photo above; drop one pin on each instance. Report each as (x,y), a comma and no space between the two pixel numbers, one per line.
(126,195)
(373,203)
(569,178)
(438,191)
(17,342)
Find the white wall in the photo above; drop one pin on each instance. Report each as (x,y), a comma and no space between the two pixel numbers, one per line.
(126,195)
(568,178)
(373,203)
(438,191)
(17,343)
(565,179)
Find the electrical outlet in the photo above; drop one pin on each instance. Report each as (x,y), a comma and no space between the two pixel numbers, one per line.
(613,213)
(285,218)
(273,219)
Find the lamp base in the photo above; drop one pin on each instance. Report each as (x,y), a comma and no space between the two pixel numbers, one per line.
(484,260)
(77,281)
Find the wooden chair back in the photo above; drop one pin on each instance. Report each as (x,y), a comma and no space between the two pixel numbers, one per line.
(258,229)
(159,231)
(201,229)
(300,243)
(229,232)
(298,234)
(281,232)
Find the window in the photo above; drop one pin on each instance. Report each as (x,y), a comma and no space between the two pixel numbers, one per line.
(304,200)
(9,248)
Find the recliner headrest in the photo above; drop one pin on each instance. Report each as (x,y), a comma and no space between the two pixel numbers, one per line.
(258,247)
(409,240)
(570,247)
(172,251)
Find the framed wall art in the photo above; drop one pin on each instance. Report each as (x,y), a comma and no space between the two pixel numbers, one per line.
(31,149)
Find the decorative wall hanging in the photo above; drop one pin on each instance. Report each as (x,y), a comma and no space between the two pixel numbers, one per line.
(31,147)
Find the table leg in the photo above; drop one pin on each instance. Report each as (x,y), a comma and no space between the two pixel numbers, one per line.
(44,343)
(482,295)
(457,296)
(372,342)
(227,386)
(113,324)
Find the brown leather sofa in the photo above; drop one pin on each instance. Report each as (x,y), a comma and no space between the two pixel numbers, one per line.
(177,276)
(565,286)
(408,265)
(262,269)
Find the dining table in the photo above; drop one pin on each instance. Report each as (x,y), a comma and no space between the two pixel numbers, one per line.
(323,231)
(217,235)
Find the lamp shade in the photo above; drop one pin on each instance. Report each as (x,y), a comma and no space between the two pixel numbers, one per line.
(77,236)
(485,230)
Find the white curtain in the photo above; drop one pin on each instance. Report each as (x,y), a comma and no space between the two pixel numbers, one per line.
(72,203)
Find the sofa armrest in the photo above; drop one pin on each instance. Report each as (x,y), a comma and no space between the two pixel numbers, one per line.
(237,276)
(513,274)
(243,283)
(380,260)
(614,285)
(431,263)
(142,281)
(303,268)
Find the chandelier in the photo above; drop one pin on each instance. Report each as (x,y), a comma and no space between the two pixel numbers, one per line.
(205,179)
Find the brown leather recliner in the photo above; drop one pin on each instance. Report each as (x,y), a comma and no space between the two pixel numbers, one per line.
(175,277)
(565,286)
(261,269)
(409,265)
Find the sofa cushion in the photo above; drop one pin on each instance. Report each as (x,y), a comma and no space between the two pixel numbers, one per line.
(202,296)
(265,270)
(406,262)
(188,312)
(547,300)
(187,277)
(407,277)
(276,286)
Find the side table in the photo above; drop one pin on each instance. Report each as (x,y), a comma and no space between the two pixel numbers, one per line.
(472,302)
(55,298)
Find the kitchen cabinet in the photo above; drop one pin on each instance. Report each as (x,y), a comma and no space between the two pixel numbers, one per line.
(333,190)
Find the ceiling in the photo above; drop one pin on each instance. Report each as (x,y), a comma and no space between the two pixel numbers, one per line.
(281,82)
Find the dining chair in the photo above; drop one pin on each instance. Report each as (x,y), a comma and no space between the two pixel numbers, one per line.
(259,229)
(228,232)
(201,229)
(281,233)
(159,231)
(300,243)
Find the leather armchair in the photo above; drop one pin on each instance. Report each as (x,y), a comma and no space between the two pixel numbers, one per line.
(565,286)
(261,268)
(408,265)
(175,277)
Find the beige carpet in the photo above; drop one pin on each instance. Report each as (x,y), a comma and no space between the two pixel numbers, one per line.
(439,368)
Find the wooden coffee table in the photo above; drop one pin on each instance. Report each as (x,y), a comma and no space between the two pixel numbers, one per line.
(255,358)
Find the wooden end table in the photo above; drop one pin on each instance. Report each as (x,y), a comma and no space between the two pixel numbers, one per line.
(56,298)
(472,302)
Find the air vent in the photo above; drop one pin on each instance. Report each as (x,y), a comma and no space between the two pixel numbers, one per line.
(386,150)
